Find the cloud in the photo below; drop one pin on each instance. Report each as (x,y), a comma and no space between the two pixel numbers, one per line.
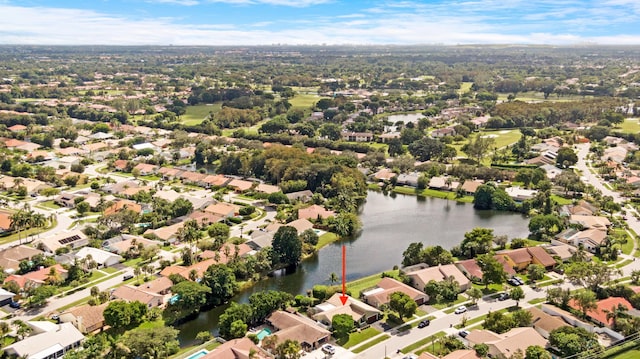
(403,24)
(292,3)
(176,2)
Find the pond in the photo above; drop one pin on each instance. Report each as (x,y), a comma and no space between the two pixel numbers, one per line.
(390,223)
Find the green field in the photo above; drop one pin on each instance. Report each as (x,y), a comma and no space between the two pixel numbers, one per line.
(465,87)
(196,114)
(538,96)
(304,100)
(503,137)
(631,354)
(630,125)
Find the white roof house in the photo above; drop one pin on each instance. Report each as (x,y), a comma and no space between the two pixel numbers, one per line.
(51,344)
(73,239)
(103,258)
(143,146)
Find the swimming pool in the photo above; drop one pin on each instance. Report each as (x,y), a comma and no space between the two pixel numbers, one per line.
(198,354)
(263,333)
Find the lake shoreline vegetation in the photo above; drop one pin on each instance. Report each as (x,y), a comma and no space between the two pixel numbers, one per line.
(223,167)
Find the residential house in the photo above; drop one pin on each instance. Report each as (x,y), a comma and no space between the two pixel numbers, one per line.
(260,239)
(118,187)
(6,297)
(292,326)
(38,277)
(169,173)
(381,293)
(215,181)
(225,254)
(384,174)
(544,323)
(160,285)
(5,221)
(521,258)
(458,354)
(87,318)
(102,258)
(588,222)
(420,277)
(205,219)
(239,185)
(599,314)
(564,252)
(73,239)
(122,243)
(121,205)
(65,199)
(131,293)
(357,136)
(314,212)
(361,312)
(132,191)
(300,225)
(505,345)
(17,128)
(146,169)
(222,209)
(120,165)
(408,179)
(616,154)
(582,208)
(590,239)
(192,177)
(443,132)
(11,257)
(267,188)
(443,183)
(520,194)
(243,348)
(51,344)
(302,196)
(166,233)
(471,269)
(471,186)
(551,171)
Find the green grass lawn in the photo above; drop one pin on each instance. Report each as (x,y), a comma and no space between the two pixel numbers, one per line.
(304,100)
(29,232)
(630,125)
(326,238)
(367,282)
(422,342)
(432,193)
(537,301)
(359,337)
(503,137)
(461,299)
(630,354)
(49,205)
(368,345)
(561,200)
(196,114)
(538,96)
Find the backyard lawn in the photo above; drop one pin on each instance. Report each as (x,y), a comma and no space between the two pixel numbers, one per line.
(367,282)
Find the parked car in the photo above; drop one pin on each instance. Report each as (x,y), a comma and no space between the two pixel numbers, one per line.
(127,277)
(503,296)
(461,309)
(513,282)
(329,349)
(424,323)
(410,356)
(519,280)
(14,305)
(463,333)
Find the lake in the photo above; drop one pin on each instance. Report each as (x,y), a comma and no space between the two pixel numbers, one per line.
(390,223)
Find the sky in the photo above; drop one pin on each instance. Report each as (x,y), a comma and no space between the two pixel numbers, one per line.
(359,22)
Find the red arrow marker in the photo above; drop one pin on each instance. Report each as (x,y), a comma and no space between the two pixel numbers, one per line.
(344,297)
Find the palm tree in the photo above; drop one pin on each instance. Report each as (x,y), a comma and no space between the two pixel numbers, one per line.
(190,233)
(615,313)
(333,278)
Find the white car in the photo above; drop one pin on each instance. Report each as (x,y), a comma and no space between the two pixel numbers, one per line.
(461,309)
(329,349)
(410,356)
